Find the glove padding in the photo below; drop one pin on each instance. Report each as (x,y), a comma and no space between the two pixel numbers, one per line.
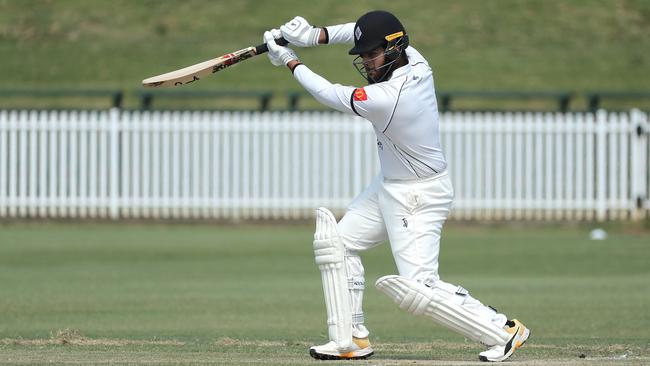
(278,55)
(298,32)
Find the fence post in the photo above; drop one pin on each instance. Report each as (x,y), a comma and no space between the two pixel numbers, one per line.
(601,165)
(114,209)
(33,164)
(4,124)
(639,163)
(53,127)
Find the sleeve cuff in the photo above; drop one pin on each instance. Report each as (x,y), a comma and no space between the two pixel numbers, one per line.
(294,67)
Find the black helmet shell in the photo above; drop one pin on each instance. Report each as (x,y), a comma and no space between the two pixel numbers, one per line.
(374,29)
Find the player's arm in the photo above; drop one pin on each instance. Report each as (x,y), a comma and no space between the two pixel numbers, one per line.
(336,34)
(300,33)
(372,102)
(334,96)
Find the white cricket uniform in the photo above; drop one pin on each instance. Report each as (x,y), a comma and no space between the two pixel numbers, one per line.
(408,202)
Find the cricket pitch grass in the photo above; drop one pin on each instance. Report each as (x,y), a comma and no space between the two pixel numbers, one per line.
(128,294)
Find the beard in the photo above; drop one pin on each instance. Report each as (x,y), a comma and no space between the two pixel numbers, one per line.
(383,73)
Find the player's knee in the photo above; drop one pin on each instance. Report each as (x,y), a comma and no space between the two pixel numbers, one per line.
(444,291)
(328,247)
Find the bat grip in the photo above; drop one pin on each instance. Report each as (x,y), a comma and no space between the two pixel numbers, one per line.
(263,48)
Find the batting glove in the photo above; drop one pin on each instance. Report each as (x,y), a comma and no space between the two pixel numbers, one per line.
(298,32)
(278,55)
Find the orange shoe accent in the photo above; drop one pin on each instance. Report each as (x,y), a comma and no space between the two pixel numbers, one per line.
(361,342)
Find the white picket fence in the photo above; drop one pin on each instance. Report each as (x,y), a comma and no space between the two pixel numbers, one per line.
(252,165)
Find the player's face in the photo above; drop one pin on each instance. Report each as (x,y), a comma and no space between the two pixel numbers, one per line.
(373,61)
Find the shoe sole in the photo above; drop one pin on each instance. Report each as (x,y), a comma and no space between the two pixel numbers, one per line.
(323,356)
(517,343)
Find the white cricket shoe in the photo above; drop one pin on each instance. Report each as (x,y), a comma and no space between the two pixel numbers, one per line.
(329,351)
(499,353)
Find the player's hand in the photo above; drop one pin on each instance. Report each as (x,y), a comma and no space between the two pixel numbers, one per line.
(279,55)
(298,32)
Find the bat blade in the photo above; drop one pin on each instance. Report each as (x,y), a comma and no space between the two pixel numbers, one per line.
(198,71)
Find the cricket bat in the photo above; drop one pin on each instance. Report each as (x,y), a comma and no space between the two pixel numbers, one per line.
(196,72)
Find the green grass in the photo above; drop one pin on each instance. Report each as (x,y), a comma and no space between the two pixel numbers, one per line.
(196,294)
(579,45)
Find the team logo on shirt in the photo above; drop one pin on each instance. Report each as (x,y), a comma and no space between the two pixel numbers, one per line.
(360,95)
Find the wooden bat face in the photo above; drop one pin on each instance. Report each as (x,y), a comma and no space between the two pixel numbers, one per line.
(193,73)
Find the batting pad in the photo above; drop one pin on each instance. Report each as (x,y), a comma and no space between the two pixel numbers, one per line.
(442,306)
(330,258)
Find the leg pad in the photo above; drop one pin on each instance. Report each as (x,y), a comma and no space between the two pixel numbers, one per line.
(329,253)
(444,305)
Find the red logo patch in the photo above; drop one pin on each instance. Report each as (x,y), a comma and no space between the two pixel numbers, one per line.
(360,95)
(228,59)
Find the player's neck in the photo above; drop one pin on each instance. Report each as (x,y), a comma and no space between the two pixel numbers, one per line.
(403,60)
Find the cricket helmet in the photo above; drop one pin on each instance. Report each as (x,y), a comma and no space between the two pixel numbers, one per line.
(376,29)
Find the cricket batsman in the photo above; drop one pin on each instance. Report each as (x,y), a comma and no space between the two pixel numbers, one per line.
(406,204)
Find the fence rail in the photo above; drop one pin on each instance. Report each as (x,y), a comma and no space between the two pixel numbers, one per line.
(260,165)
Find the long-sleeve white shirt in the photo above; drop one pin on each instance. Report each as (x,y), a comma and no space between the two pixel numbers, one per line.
(403,111)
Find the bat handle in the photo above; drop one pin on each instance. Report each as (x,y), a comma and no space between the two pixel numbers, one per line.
(263,48)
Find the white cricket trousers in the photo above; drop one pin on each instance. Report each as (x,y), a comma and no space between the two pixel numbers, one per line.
(410,214)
